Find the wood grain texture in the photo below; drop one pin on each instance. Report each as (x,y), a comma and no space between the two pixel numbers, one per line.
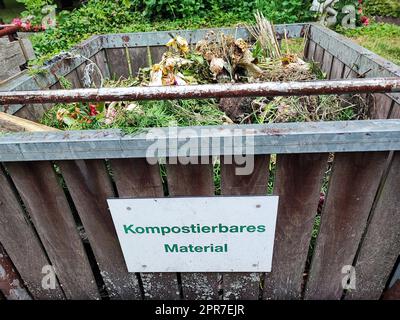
(319,55)
(80,72)
(117,63)
(309,54)
(48,207)
(90,187)
(11,285)
(353,185)
(100,59)
(11,58)
(138,59)
(337,69)
(380,106)
(32,112)
(157,53)
(73,78)
(395,113)
(137,178)
(349,73)
(298,183)
(22,244)
(243,285)
(194,180)
(327,64)
(16,124)
(27,49)
(381,246)
(393,293)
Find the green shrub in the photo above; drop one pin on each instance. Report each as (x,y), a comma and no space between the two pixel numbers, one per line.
(285,11)
(384,8)
(111,16)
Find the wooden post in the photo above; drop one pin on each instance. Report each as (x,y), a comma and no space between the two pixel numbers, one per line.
(9,122)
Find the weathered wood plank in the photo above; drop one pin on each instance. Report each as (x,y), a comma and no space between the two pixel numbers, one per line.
(381,246)
(27,49)
(327,64)
(393,293)
(349,73)
(11,285)
(11,58)
(32,112)
(90,187)
(380,106)
(138,59)
(395,113)
(194,180)
(309,55)
(243,285)
(48,207)
(80,72)
(353,185)
(137,178)
(12,123)
(22,244)
(298,183)
(73,78)
(100,59)
(117,63)
(319,55)
(157,53)
(337,69)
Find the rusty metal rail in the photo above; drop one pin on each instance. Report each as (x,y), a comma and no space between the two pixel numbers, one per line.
(299,88)
(8,31)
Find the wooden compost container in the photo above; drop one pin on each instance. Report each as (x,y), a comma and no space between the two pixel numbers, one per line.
(54,186)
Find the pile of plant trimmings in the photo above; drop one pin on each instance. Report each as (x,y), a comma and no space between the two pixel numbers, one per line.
(218,58)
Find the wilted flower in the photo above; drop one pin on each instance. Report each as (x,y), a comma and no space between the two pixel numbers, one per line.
(17,22)
(364,20)
(156,75)
(61,114)
(179,44)
(93,110)
(111,113)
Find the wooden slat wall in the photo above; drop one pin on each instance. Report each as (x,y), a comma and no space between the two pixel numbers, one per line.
(100,59)
(73,78)
(117,63)
(298,183)
(337,69)
(22,243)
(48,207)
(11,285)
(194,180)
(243,285)
(137,178)
(353,185)
(156,53)
(380,106)
(395,113)
(138,59)
(381,246)
(309,53)
(90,187)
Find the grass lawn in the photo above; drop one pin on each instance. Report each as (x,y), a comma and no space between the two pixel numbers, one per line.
(12,10)
(382,38)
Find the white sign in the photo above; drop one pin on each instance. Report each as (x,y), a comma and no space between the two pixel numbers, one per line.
(196,234)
